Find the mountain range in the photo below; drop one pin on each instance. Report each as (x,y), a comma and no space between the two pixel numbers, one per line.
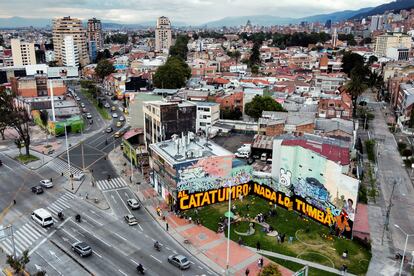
(262,20)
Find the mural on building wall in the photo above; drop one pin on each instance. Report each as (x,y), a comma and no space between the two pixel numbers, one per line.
(211,173)
(320,182)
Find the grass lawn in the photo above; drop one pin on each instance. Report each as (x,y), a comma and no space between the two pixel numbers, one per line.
(102,110)
(24,159)
(311,240)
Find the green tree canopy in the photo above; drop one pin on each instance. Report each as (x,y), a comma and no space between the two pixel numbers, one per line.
(104,68)
(180,49)
(351,60)
(356,86)
(173,74)
(259,104)
(117,38)
(270,270)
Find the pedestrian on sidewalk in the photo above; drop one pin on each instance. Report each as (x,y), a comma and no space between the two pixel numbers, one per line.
(258,246)
(247,272)
(260,263)
(166,226)
(14,202)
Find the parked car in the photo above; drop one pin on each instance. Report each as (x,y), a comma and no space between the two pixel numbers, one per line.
(77,98)
(107,105)
(133,203)
(82,248)
(122,119)
(119,133)
(131,220)
(109,129)
(113,108)
(179,261)
(114,115)
(46,183)
(119,124)
(84,110)
(88,115)
(243,154)
(82,104)
(37,189)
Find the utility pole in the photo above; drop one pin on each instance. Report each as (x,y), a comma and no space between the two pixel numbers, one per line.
(67,153)
(83,156)
(387,215)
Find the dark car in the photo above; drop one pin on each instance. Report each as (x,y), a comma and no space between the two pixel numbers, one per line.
(82,248)
(179,261)
(109,130)
(37,189)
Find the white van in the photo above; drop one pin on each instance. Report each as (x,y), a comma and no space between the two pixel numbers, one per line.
(243,154)
(42,217)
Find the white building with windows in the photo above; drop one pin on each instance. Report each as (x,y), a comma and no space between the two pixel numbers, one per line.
(207,115)
(70,53)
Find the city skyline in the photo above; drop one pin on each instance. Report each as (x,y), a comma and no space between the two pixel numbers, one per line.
(186,11)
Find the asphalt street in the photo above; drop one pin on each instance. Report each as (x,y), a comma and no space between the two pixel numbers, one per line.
(117,247)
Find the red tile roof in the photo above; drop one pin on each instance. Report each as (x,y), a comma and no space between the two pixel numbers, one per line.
(331,152)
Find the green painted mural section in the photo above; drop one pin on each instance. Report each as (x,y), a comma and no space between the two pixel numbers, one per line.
(129,150)
(74,124)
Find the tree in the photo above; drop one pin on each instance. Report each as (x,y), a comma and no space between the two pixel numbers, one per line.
(259,104)
(1,40)
(18,264)
(255,55)
(351,60)
(44,117)
(3,127)
(15,115)
(270,270)
(104,68)
(372,59)
(356,86)
(173,74)
(105,54)
(180,49)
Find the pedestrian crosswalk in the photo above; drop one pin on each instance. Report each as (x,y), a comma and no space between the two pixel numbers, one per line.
(60,204)
(30,232)
(61,166)
(114,183)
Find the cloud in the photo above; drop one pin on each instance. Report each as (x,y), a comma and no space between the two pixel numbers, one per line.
(189,11)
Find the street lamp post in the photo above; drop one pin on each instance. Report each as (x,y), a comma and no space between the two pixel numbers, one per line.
(130,156)
(228,235)
(405,247)
(67,153)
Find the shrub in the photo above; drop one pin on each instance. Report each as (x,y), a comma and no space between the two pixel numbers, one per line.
(401,146)
(270,270)
(370,145)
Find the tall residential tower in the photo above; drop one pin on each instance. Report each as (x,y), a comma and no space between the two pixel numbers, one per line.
(23,52)
(163,34)
(68,26)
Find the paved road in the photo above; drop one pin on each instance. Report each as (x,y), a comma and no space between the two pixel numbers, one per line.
(117,247)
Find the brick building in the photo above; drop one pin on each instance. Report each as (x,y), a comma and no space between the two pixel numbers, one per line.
(338,106)
(231,101)
(37,86)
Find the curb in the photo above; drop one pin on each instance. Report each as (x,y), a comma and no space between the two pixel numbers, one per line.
(70,256)
(172,236)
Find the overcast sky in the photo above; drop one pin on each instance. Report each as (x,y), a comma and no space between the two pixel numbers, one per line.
(188,11)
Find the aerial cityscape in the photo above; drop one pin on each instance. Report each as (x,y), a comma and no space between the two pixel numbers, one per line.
(206,137)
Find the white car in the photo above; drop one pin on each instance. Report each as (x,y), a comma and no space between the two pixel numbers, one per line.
(107,105)
(133,203)
(114,115)
(77,98)
(89,116)
(46,183)
(122,118)
(82,105)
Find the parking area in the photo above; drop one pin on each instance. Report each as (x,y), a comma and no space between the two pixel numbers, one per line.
(233,141)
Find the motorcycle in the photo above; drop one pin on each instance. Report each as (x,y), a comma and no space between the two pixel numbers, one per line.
(157,246)
(61,216)
(78,218)
(141,269)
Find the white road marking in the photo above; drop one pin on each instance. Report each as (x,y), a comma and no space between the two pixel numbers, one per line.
(168,248)
(126,207)
(120,236)
(140,227)
(96,236)
(49,263)
(122,272)
(69,234)
(134,261)
(156,259)
(97,222)
(96,253)
(200,267)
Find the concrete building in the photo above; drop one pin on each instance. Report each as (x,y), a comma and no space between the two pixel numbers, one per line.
(23,52)
(49,56)
(37,86)
(174,161)
(207,115)
(405,101)
(70,52)
(163,34)
(398,53)
(67,26)
(391,40)
(327,82)
(94,33)
(376,23)
(168,117)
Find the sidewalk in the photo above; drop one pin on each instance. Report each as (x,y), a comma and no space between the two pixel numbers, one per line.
(206,245)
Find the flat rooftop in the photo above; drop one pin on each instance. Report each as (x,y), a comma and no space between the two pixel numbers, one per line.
(188,148)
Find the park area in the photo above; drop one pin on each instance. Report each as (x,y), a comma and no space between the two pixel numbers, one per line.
(299,236)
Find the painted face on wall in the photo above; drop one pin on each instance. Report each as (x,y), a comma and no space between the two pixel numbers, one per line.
(285,177)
